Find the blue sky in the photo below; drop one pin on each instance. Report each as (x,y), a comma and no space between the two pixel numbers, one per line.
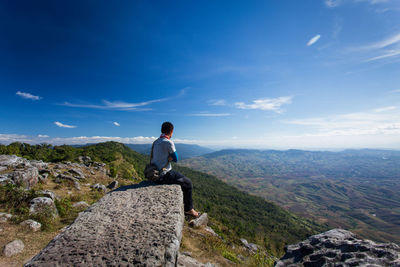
(310,74)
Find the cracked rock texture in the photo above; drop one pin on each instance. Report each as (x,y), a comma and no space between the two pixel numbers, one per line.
(137,225)
(339,247)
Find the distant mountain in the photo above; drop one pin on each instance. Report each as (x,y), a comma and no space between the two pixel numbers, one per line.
(353,189)
(185,151)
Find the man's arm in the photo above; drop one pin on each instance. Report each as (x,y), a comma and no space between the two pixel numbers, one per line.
(173,157)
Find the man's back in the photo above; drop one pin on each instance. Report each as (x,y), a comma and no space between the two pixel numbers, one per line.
(163,148)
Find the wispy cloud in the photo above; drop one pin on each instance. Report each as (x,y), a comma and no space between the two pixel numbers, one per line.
(394,39)
(28,95)
(273,104)
(384,120)
(332,3)
(59,124)
(387,54)
(116,105)
(43,136)
(220,102)
(116,123)
(313,40)
(205,114)
(384,109)
(336,3)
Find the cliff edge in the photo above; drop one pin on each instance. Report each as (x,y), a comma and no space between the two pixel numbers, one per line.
(133,225)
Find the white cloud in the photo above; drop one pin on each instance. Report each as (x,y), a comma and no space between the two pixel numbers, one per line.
(220,102)
(313,40)
(273,104)
(387,54)
(394,39)
(59,124)
(332,3)
(116,123)
(28,95)
(115,105)
(43,136)
(9,138)
(380,121)
(210,114)
(384,109)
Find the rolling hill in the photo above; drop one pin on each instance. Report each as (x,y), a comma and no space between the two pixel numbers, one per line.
(353,189)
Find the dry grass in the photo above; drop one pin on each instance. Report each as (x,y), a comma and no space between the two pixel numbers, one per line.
(33,241)
(205,247)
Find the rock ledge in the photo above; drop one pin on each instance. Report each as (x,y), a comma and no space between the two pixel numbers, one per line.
(137,225)
(339,247)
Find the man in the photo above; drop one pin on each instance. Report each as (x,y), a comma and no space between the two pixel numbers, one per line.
(163,153)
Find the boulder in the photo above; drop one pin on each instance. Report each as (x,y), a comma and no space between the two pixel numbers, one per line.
(31,225)
(5,217)
(339,247)
(13,248)
(3,168)
(80,205)
(86,160)
(11,161)
(28,177)
(137,225)
(77,173)
(99,187)
(5,180)
(39,164)
(201,221)
(49,194)
(43,177)
(113,185)
(185,260)
(41,205)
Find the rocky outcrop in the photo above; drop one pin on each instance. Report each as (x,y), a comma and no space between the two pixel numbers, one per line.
(13,248)
(31,225)
(138,225)
(339,247)
(43,205)
(24,172)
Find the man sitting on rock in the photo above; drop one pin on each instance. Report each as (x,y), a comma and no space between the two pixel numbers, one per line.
(163,153)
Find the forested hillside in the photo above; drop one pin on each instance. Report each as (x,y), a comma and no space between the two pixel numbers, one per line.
(353,189)
(234,214)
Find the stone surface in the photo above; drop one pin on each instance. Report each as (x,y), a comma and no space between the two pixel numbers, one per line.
(41,205)
(81,205)
(137,225)
(13,248)
(201,221)
(31,225)
(5,180)
(99,187)
(11,160)
(39,164)
(27,177)
(77,173)
(3,168)
(339,247)
(5,217)
(49,194)
(185,260)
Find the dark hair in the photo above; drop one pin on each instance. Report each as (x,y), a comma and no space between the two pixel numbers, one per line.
(167,127)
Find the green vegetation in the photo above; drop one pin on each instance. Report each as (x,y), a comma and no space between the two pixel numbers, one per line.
(353,189)
(241,215)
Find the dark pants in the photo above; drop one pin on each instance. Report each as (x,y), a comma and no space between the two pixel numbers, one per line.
(173,177)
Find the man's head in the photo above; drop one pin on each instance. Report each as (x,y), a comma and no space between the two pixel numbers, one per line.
(167,128)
